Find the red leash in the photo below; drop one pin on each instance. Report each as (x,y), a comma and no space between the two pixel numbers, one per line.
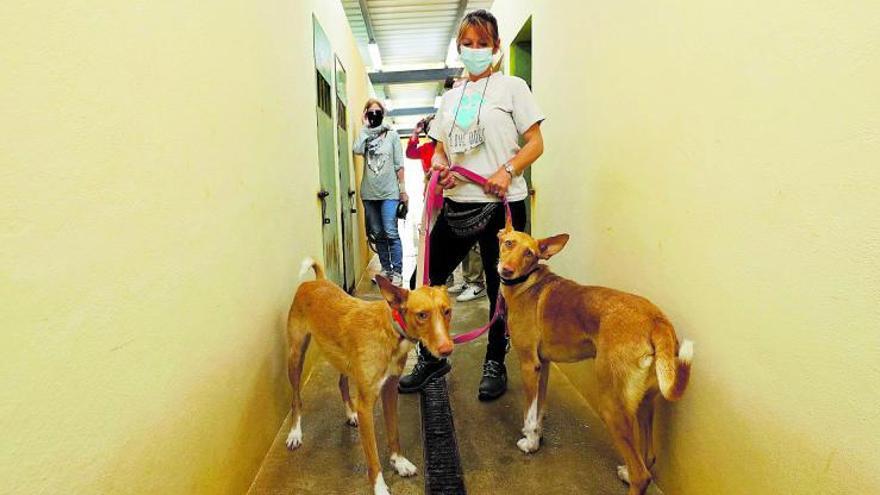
(433,203)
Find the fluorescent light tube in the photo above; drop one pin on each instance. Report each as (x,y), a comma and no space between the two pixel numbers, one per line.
(375,57)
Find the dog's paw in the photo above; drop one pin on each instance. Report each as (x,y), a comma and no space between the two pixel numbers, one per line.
(403,466)
(351,416)
(529,443)
(352,420)
(623,474)
(294,439)
(379,487)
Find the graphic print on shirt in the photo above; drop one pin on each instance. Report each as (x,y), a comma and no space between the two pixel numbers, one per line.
(467,112)
(375,163)
(376,156)
(467,132)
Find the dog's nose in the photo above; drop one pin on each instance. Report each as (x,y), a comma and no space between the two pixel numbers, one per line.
(445,349)
(506,272)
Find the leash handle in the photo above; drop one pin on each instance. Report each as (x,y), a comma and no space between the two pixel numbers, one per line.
(480,181)
(433,202)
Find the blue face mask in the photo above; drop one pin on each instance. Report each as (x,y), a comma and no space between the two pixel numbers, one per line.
(476,60)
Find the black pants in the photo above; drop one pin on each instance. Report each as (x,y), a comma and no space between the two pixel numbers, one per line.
(448,250)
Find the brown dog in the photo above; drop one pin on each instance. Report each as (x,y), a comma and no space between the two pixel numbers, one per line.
(635,347)
(361,341)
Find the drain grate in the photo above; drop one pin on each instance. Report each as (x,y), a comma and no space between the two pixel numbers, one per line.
(443,475)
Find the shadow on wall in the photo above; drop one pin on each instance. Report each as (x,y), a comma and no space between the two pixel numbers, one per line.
(187,424)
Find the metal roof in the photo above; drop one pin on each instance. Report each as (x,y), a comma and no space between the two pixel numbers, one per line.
(411,35)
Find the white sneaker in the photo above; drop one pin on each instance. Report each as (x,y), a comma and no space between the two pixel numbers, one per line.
(455,289)
(396,279)
(471,292)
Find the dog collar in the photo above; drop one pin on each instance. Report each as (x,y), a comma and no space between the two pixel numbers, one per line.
(517,280)
(399,325)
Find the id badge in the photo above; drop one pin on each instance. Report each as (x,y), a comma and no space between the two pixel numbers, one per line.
(463,141)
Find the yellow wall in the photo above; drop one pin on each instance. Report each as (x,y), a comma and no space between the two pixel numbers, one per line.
(721,158)
(158,175)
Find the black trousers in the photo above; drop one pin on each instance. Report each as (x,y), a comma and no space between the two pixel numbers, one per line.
(448,250)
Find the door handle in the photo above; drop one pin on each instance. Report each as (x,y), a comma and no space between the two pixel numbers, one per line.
(351,199)
(322,195)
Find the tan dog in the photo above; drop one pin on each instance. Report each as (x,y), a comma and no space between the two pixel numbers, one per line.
(361,341)
(635,347)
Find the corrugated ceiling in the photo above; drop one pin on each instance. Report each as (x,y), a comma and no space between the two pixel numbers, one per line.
(411,34)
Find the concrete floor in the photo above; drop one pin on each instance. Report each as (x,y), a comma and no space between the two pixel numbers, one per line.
(576,454)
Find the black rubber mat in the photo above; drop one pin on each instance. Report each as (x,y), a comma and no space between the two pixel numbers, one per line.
(443,475)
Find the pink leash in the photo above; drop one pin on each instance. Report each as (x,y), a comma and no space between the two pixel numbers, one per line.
(433,203)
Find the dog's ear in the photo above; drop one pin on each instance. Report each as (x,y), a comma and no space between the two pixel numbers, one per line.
(508,227)
(551,246)
(394,295)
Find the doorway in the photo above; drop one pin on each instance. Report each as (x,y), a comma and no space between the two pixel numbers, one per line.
(521,66)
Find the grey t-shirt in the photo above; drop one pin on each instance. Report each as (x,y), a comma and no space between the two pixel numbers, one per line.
(506,109)
(380,166)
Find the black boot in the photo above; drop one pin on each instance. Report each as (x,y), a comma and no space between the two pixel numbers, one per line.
(494,382)
(426,368)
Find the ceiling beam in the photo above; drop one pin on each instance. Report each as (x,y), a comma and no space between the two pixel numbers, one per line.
(459,13)
(414,76)
(402,112)
(368,21)
(453,31)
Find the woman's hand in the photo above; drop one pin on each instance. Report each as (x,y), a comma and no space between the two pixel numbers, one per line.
(404,198)
(447,179)
(498,183)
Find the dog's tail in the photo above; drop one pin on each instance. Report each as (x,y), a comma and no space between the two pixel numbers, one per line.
(673,369)
(310,263)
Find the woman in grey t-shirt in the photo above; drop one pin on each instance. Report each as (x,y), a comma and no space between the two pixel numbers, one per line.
(490,125)
(382,187)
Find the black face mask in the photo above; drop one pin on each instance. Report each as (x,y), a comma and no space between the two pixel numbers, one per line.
(374,117)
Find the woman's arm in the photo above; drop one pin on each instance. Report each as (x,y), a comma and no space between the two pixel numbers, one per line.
(531,150)
(412,146)
(360,143)
(441,164)
(401,184)
(500,181)
(397,159)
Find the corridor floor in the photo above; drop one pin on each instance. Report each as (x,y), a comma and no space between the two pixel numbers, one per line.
(576,455)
